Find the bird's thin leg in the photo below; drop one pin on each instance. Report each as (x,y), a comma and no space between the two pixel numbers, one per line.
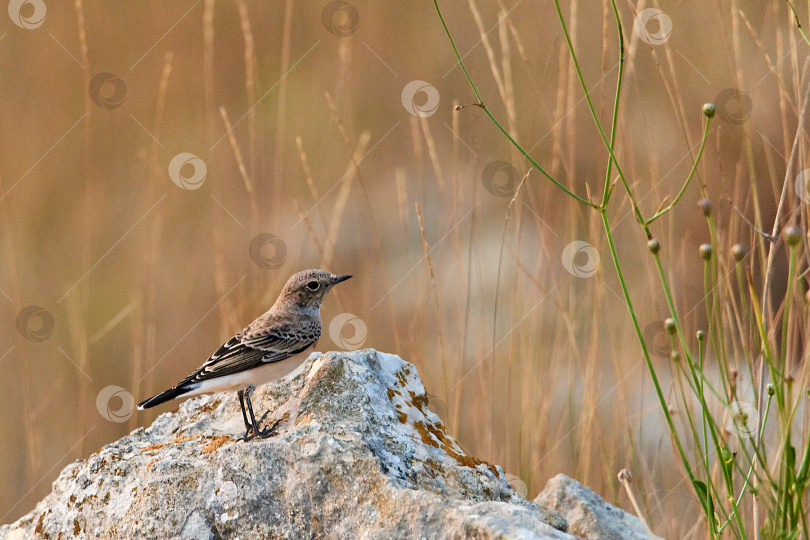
(256,431)
(248,427)
(263,434)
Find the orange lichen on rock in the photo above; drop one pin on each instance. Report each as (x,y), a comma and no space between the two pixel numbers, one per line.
(437,437)
(215,443)
(156,446)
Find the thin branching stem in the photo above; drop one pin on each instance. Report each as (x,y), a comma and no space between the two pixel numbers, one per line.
(483,106)
(608,144)
(608,190)
(677,198)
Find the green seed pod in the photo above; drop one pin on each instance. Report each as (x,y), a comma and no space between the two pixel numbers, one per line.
(653,245)
(793,235)
(771,390)
(705,251)
(738,252)
(669,324)
(701,335)
(709,109)
(705,206)
(675,356)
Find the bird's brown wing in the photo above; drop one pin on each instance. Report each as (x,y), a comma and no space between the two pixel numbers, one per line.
(241,353)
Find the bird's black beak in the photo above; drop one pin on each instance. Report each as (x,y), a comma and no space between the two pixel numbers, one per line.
(338,279)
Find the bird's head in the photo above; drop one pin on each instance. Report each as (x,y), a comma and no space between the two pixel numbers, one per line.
(309,287)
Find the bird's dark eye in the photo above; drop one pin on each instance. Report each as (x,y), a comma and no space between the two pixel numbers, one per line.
(313,285)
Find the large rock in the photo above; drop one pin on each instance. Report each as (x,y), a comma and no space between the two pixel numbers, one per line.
(358,453)
(588,515)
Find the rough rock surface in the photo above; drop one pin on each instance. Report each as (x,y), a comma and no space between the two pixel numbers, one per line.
(588,515)
(357,454)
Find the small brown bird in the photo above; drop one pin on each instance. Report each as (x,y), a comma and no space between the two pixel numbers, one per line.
(267,349)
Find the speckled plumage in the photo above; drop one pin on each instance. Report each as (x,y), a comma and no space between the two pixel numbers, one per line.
(266,349)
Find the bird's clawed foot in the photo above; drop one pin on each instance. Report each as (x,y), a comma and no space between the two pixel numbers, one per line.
(251,425)
(266,433)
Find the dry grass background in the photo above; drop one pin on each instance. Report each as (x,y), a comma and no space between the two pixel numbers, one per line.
(533,368)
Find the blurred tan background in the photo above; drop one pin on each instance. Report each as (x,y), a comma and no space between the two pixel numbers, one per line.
(307,154)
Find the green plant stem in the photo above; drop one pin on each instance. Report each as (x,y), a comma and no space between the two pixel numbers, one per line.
(786,311)
(677,198)
(767,352)
(699,382)
(659,392)
(607,190)
(608,144)
(483,107)
(737,502)
(701,353)
(703,457)
(803,474)
(788,461)
(746,309)
(798,23)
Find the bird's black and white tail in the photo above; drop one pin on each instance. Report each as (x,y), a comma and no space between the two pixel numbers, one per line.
(171,393)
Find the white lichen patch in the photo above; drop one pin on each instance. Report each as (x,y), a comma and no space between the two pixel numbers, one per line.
(225,495)
(121,500)
(407,394)
(224,517)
